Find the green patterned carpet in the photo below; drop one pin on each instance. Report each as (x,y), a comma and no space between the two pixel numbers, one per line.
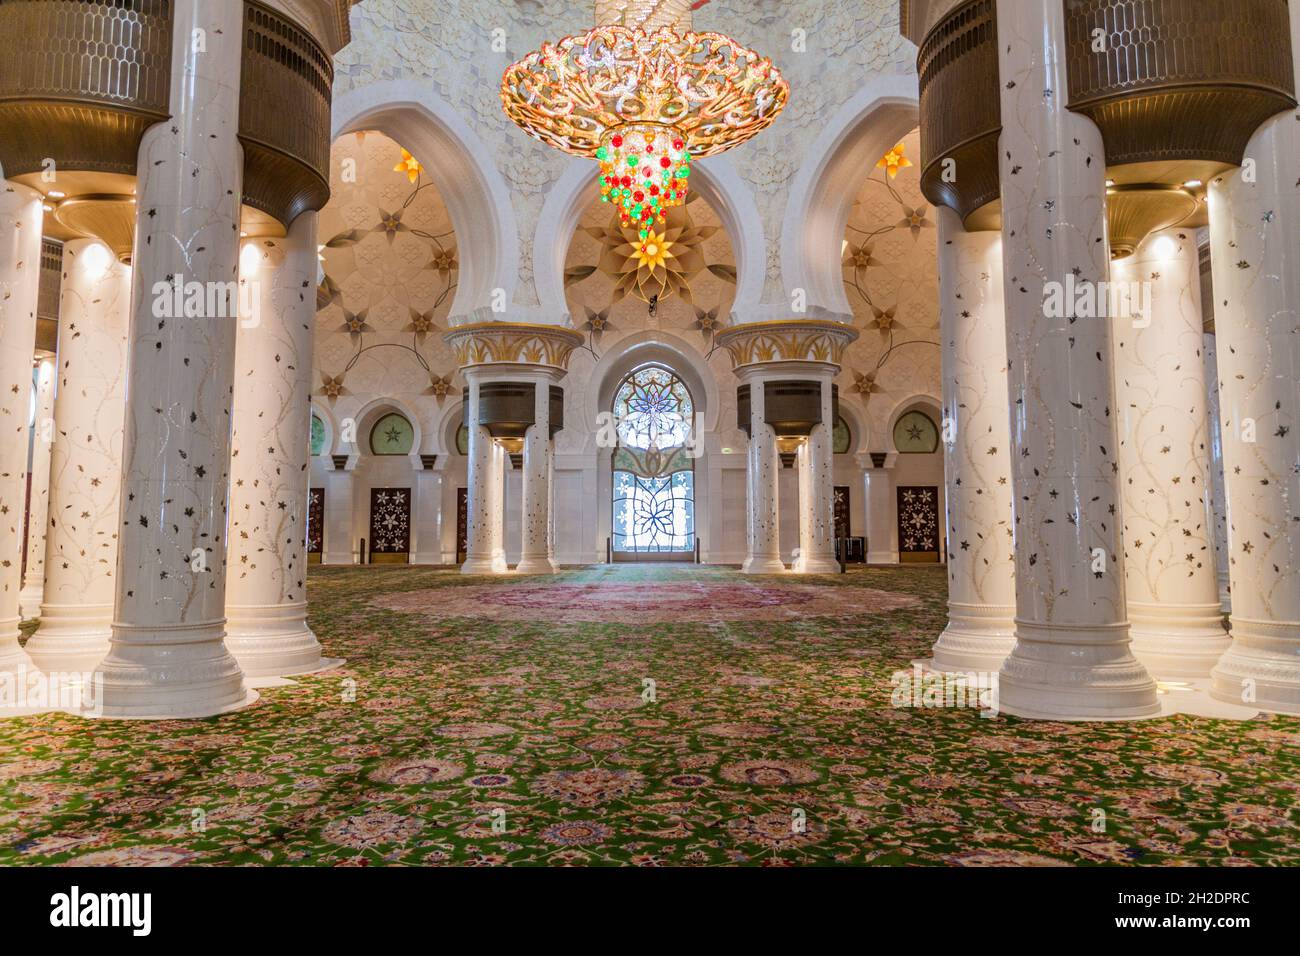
(482,721)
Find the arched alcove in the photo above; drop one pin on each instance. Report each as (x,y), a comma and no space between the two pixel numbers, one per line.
(475,192)
(714,179)
(822,192)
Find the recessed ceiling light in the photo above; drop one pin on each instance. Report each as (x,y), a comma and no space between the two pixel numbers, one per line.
(1192,184)
(55,194)
(1110,183)
(48,207)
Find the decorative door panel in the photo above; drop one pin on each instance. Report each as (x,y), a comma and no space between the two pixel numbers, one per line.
(315,524)
(462,524)
(390,525)
(842,524)
(918,523)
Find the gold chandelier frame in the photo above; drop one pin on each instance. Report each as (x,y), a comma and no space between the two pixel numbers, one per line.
(706,86)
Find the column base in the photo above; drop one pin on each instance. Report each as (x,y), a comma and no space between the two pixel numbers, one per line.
(164,673)
(273,641)
(977,638)
(1262,666)
(13,659)
(29,601)
(755,564)
(1058,672)
(815,565)
(537,566)
(1173,640)
(72,638)
(485,564)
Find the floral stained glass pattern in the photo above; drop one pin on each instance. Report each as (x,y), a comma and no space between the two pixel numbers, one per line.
(654,476)
(653,409)
(654,514)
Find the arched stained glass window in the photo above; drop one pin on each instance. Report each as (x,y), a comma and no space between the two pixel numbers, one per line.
(654,473)
(392,435)
(317,436)
(462,440)
(653,409)
(916,434)
(841,437)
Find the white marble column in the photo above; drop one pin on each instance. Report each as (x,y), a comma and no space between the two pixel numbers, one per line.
(20,281)
(762,475)
(1255,258)
(815,464)
(86,462)
(882,510)
(1218,492)
(1164,459)
(340,545)
(168,658)
(38,501)
(486,482)
(536,555)
(427,509)
(550,508)
(977,451)
(266,588)
(1072,657)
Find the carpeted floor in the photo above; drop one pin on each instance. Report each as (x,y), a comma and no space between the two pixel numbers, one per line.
(483,721)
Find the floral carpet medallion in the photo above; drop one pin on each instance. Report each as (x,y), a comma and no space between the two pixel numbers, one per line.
(631,603)
(637,715)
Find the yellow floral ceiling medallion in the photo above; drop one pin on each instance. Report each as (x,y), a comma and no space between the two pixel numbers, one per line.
(657,266)
(409,165)
(644,95)
(653,251)
(893,161)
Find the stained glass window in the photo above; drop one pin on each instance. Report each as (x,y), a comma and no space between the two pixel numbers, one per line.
(654,475)
(392,435)
(462,440)
(916,434)
(841,437)
(317,436)
(653,409)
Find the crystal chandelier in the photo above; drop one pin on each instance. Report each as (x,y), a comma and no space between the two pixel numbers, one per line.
(644,95)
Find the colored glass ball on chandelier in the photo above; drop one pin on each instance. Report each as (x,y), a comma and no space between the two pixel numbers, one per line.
(644,170)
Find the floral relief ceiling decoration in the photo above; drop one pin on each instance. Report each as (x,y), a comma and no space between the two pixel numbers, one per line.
(688,261)
(389,273)
(889,250)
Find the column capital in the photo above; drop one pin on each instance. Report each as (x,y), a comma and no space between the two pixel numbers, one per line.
(877,460)
(781,342)
(481,344)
